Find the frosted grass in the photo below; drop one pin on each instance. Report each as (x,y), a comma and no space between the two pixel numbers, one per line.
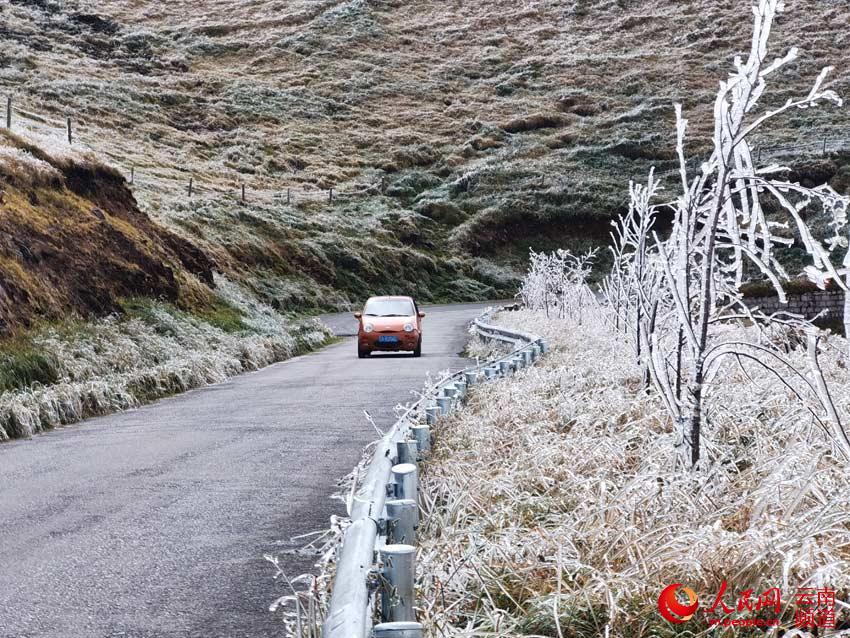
(116,363)
(553,507)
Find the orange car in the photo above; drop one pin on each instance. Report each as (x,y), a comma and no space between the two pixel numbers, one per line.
(389,324)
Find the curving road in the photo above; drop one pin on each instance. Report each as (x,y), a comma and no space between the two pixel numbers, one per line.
(153,523)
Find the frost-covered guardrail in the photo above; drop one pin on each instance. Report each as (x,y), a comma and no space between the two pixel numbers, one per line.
(378,548)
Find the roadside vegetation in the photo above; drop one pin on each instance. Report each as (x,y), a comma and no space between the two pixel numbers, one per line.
(58,374)
(554,508)
(101,308)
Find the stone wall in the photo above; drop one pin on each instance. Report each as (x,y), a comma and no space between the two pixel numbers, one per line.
(808,304)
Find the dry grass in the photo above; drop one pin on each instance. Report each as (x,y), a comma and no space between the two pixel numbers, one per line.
(25,170)
(554,511)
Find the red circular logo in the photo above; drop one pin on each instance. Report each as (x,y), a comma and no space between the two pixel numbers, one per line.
(672,609)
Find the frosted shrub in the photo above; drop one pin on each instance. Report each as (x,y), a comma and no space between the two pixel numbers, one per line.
(114,364)
(557,282)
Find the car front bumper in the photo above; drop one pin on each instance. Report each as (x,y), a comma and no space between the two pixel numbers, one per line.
(405,341)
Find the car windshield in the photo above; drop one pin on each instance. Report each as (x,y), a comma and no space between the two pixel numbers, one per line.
(388,308)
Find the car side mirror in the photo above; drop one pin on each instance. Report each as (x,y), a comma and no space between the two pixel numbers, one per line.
(421,314)
(358,315)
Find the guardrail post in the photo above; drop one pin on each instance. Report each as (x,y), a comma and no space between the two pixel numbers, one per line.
(431,414)
(535,352)
(406,451)
(422,434)
(505,368)
(527,359)
(397,630)
(544,347)
(461,390)
(471,378)
(402,519)
(444,404)
(490,372)
(397,583)
(406,481)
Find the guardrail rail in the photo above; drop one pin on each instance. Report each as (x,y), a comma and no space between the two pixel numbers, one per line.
(377,557)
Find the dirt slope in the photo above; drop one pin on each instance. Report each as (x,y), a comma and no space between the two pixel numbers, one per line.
(72,240)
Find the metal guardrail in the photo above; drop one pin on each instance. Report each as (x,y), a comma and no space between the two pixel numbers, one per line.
(385,511)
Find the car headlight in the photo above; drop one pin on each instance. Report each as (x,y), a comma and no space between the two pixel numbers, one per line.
(408,327)
(368,327)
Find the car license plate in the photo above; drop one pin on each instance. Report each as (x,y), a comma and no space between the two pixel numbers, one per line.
(387,339)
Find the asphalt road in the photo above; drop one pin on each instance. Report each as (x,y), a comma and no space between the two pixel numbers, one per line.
(153,523)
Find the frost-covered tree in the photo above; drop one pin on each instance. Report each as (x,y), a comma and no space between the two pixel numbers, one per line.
(557,282)
(672,292)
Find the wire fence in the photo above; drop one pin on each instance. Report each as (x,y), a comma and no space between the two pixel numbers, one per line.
(198,186)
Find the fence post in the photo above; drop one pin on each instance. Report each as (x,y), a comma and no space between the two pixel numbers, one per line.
(70,135)
(243,192)
(191,180)
(287,197)
(383,184)
(9,112)
(824,146)
(330,195)
(397,583)
(132,175)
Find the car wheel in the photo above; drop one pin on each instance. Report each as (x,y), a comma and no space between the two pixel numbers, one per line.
(362,353)
(418,351)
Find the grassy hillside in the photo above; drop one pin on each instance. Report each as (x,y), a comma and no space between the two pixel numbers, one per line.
(494,126)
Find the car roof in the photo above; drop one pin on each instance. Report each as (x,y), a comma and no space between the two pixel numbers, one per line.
(390,297)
